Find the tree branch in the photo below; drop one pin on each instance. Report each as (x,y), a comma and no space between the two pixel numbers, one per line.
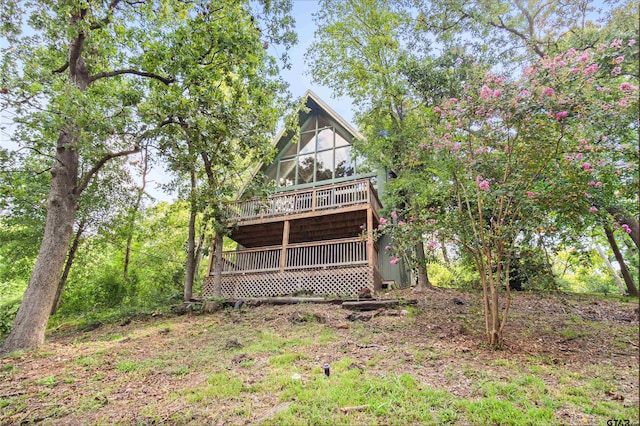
(108,74)
(98,166)
(106,20)
(531,43)
(61,69)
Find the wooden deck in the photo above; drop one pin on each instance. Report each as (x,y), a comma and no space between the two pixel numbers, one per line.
(319,254)
(346,197)
(336,267)
(316,241)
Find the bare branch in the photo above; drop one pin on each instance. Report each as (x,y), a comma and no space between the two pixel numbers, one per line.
(108,74)
(98,166)
(61,69)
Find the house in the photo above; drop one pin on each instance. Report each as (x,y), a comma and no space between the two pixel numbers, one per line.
(314,234)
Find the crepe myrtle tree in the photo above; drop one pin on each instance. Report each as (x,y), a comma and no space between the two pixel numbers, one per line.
(507,153)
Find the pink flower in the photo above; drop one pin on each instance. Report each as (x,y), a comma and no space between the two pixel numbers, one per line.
(382,221)
(497,93)
(631,42)
(626,228)
(591,69)
(616,71)
(584,57)
(592,183)
(586,166)
(394,215)
(432,245)
(598,184)
(616,43)
(627,87)
(561,115)
(402,223)
(619,60)
(485,92)
(593,209)
(484,185)
(387,247)
(394,260)
(531,194)
(548,91)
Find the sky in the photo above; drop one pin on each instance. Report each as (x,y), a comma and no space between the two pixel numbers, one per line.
(297,76)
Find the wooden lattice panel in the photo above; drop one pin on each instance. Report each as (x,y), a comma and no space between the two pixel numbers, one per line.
(333,282)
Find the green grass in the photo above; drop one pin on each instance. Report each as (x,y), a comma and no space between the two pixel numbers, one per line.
(407,376)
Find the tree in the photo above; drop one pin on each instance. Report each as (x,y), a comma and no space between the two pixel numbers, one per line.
(88,76)
(508,152)
(360,49)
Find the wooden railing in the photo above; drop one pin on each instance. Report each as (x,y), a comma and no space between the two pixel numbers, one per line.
(313,199)
(320,254)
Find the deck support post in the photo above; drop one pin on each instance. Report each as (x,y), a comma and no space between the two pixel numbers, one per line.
(370,247)
(285,241)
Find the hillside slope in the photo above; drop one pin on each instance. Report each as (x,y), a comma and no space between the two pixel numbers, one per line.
(568,360)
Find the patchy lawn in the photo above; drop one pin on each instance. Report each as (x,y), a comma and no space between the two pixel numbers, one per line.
(568,360)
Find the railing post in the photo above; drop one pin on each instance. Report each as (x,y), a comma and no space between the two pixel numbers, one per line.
(285,241)
(314,200)
(370,247)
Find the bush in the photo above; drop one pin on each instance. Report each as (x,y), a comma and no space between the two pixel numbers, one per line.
(8,311)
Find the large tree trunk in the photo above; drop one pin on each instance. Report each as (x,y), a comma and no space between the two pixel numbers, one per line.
(31,320)
(191,251)
(423,277)
(67,266)
(631,287)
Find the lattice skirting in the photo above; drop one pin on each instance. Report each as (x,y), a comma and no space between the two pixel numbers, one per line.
(331,282)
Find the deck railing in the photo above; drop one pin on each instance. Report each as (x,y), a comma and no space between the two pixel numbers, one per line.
(320,254)
(313,199)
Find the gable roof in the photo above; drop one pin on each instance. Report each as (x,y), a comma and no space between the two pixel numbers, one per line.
(314,103)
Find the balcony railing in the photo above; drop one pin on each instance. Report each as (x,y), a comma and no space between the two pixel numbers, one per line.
(320,254)
(314,199)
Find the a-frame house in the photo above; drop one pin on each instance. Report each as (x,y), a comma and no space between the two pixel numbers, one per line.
(314,234)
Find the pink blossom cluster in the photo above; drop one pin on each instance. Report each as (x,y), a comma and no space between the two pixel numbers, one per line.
(626,228)
(482,183)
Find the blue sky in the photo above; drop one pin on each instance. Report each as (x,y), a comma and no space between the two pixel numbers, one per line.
(297,76)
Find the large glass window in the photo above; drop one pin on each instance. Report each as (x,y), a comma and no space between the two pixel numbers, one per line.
(323,153)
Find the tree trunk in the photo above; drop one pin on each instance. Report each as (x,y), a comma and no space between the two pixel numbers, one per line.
(628,220)
(631,287)
(31,320)
(67,267)
(610,266)
(134,213)
(423,277)
(191,251)
(217,269)
(445,255)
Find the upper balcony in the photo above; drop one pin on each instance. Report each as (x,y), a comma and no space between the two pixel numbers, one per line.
(342,197)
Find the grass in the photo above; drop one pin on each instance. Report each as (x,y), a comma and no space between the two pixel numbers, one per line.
(241,367)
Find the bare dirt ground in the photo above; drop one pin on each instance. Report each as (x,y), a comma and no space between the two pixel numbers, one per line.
(155,370)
